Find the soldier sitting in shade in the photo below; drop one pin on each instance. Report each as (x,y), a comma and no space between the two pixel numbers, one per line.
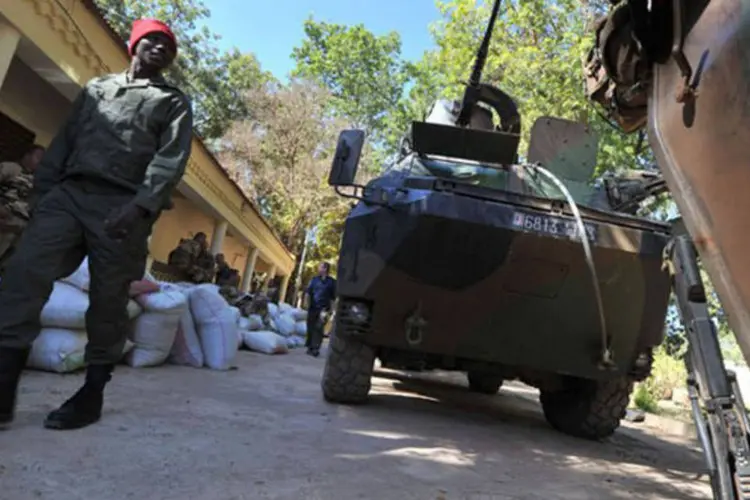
(16,180)
(192,261)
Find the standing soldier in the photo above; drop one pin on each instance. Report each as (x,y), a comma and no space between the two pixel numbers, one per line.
(98,190)
(321,293)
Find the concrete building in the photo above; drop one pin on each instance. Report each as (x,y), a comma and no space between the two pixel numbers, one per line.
(48,50)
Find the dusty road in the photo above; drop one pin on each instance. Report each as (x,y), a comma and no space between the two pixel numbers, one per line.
(263,432)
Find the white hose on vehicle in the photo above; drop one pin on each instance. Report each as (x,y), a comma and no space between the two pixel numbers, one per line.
(606,352)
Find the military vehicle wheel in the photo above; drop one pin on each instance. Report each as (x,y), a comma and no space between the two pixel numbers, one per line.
(484,383)
(587,409)
(348,370)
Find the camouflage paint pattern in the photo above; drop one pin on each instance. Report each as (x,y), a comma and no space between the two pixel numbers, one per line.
(488,290)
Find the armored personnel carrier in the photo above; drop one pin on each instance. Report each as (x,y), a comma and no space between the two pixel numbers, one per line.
(461,256)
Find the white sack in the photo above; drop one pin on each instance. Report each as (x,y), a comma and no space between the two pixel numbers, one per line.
(300,328)
(273,310)
(299,314)
(265,342)
(216,324)
(237,314)
(244,324)
(186,349)
(80,277)
(153,334)
(285,308)
(170,300)
(255,322)
(271,325)
(285,325)
(67,306)
(61,351)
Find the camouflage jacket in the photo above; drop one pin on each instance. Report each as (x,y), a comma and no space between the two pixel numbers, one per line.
(15,189)
(133,133)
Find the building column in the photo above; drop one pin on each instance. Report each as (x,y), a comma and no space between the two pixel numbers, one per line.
(271,276)
(9,37)
(284,287)
(150,257)
(217,240)
(247,276)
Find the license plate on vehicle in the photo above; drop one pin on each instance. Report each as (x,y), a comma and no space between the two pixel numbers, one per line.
(552,226)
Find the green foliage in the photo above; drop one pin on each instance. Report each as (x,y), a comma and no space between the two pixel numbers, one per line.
(215,80)
(644,400)
(667,374)
(363,71)
(535,56)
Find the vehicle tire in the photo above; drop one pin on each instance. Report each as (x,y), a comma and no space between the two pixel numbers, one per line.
(590,409)
(348,370)
(484,383)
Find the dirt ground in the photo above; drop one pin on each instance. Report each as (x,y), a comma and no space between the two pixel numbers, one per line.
(263,432)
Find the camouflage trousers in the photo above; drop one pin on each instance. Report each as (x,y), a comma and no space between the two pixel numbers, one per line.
(67,225)
(7,243)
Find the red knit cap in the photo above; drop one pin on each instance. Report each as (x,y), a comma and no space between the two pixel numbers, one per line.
(143,27)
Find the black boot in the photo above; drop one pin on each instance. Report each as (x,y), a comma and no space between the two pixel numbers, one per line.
(85,407)
(12,363)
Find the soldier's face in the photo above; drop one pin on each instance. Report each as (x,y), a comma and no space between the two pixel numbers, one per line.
(31,160)
(156,50)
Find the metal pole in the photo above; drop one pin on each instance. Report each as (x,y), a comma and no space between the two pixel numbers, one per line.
(298,281)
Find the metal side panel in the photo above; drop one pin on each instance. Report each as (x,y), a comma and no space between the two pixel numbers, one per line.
(703,149)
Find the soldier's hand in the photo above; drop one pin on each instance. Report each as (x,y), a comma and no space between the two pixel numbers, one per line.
(121,222)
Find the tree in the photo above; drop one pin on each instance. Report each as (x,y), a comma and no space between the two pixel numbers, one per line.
(363,72)
(281,156)
(535,56)
(214,80)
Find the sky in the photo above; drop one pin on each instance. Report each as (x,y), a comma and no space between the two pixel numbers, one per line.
(272,28)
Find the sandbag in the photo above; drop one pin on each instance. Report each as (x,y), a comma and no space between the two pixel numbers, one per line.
(300,328)
(61,351)
(244,324)
(67,306)
(237,314)
(285,308)
(273,310)
(143,286)
(80,277)
(265,342)
(255,322)
(285,325)
(299,314)
(58,350)
(153,334)
(216,324)
(170,300)
(186,349)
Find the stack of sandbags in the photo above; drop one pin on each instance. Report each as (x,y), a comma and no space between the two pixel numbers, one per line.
(61,343)
(217,326)
(61,351)
(284,320)
(187,349)
(154,332)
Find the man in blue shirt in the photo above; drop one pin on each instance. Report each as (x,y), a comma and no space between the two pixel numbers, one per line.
(321,292)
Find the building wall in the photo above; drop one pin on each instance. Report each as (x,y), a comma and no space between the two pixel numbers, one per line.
(235,252)
(183,221)
(25,94)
